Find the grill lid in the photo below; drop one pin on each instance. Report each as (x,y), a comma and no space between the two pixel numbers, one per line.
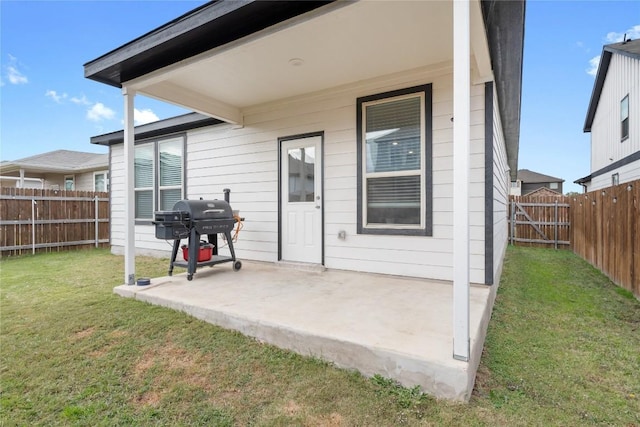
(204,209)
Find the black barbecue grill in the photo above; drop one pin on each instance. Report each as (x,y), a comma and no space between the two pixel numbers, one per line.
(192,219)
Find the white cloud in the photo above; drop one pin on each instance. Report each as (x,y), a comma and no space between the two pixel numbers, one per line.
(14,75)
(141,117)
(632,33)
(100,112)
(55,96)
(593,66)
(80,101)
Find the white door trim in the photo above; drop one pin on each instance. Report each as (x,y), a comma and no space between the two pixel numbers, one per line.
(318,257)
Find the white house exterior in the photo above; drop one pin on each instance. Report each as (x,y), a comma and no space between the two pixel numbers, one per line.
(612,118)
(346,86)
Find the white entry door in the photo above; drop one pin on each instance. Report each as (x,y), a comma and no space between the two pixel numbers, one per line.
(301,190)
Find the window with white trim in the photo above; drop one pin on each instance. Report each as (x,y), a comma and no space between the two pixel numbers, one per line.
(615,179)
(69,183)
(158,176)
(624,118)
(394,162)
(101,181)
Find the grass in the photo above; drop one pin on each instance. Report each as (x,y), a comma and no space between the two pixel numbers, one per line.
(562,349)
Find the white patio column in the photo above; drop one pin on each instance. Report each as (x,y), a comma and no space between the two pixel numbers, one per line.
(129,198)
(461,123)
(21,178)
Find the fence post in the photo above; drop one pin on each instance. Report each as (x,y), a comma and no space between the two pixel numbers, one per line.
(555,226)
(33,226)
(97,222)
(513,209)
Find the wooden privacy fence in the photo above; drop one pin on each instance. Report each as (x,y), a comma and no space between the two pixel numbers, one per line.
(51,220)
(606,232)
(602,226)
(537,220)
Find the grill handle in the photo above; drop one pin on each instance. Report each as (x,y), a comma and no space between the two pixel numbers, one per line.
(213,211)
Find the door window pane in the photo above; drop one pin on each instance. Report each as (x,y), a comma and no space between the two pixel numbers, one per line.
(301,174)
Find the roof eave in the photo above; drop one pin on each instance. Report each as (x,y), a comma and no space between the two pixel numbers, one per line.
(169,126)
(505,32)
(211,25)
(605,60)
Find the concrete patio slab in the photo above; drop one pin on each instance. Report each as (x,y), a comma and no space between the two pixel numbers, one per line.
(397,327)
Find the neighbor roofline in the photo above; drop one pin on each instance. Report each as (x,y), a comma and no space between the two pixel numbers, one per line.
(603,68)
(168,126)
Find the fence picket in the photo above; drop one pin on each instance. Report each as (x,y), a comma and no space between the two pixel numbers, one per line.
(33,220)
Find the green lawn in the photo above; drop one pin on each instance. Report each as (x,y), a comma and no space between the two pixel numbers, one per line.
(563,348)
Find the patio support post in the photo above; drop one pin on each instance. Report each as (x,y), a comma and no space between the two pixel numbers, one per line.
(461,133)
(129,202)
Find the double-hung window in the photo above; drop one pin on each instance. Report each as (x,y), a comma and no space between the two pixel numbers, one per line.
(101,181)
(624,118)
(159,177)
(394,162)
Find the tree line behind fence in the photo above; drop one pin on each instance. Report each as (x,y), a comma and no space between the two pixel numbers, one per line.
(33,220)
(602,226)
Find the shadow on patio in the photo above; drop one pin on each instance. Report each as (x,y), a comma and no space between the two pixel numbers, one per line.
(397,327)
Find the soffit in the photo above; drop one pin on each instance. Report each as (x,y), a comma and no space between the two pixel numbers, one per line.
(354,42)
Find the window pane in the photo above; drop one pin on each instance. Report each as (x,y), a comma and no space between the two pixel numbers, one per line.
(170,162)
(143,166)
(624,108)
(168,198)
(393,200)
(393,135)
(99,182)
(144,204)
(302,174)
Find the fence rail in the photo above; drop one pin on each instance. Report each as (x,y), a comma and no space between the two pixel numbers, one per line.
(539,221)
(46,220)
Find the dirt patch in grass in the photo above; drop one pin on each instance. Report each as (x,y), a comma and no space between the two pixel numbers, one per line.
(167,367)
(85,333)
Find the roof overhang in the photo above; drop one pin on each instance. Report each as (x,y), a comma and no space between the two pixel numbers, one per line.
(160,128)
(227,56)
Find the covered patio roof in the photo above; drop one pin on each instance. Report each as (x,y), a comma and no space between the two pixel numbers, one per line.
(225,56)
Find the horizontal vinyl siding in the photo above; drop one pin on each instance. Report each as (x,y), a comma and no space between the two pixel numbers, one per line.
(501,185)
(623,77)
(245,159)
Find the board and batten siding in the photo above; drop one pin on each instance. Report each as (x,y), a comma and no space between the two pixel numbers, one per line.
(245,160)
(623,77)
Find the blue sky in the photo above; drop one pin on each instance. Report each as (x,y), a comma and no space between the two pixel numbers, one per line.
(47,104)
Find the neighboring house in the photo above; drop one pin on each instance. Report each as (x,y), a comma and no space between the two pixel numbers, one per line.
(58,170)
(360,98)
(529,181)
(613,118)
